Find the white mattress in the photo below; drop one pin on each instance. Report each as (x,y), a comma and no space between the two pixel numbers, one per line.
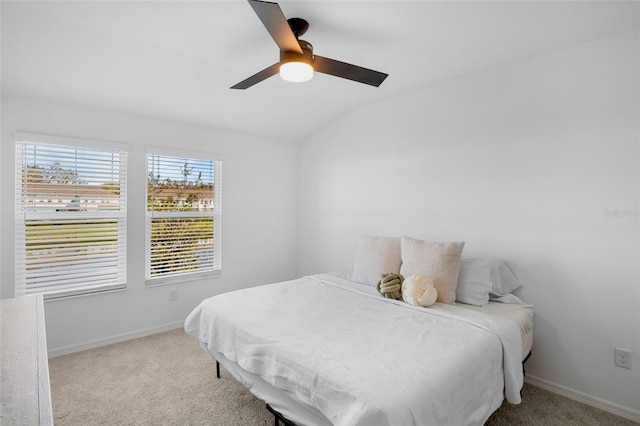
(510,307)
(521,314)
(362,359)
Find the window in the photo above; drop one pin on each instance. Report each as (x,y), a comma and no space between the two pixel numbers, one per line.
(183,216)
(71,222)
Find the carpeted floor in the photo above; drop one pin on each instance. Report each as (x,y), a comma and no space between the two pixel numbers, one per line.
(167,379)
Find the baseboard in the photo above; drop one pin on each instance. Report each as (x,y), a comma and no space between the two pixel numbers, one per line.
(593,401)
(113,339)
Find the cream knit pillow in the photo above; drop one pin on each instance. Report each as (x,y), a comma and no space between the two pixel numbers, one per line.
(438,261)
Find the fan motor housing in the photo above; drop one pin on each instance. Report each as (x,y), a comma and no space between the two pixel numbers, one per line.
(306,56)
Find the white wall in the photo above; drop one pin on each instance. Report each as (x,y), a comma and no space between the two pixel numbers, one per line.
(258,238)
(522,162)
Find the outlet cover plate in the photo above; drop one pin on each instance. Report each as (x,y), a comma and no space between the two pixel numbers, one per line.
(623,358)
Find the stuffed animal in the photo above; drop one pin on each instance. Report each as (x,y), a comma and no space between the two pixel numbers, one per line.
(419,290)
(389,286)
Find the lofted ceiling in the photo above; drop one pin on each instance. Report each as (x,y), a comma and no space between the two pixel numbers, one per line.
(176,60)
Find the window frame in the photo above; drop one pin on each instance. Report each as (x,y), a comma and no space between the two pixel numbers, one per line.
(23,216)
(216,215)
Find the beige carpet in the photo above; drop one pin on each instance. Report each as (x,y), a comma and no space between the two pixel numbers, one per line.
(167,379)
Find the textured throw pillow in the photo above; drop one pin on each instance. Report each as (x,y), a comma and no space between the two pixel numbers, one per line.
(438,261)
(375,256)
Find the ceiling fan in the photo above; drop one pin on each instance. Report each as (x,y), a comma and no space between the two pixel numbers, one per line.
(297,61)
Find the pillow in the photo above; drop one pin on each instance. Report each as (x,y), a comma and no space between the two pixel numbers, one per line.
(345,274)
(438,261)
(474,282)
(484,278)
(503,280)
(375,256)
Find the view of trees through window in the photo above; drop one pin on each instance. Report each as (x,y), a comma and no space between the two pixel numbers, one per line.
(180,209)
(71,218)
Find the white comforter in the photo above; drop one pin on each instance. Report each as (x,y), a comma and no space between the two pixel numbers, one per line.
(361,359)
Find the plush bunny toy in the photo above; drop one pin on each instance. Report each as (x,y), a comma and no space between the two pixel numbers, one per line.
(418,290)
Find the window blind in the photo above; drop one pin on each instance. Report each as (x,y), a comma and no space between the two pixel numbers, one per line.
(183,216)
(70,217)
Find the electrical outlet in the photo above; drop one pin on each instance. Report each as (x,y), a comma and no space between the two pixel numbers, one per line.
(173,295)
(623,358)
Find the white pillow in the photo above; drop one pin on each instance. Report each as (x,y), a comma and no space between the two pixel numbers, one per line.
(438,261)
(503,280)
(375,256)
(474,282)
(484,278)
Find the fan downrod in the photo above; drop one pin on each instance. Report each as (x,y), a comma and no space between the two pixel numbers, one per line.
(298,25)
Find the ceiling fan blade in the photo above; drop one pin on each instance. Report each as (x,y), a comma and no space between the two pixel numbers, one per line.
(274,21)
(348,71)
(258,77)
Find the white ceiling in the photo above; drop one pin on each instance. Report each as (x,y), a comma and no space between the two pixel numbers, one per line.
(177,59)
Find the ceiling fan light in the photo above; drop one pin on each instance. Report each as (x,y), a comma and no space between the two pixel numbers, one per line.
(296,72)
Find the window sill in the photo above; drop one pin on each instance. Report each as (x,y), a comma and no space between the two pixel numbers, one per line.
(79,293)
(180,279)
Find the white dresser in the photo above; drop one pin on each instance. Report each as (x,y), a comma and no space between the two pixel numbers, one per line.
(25,397)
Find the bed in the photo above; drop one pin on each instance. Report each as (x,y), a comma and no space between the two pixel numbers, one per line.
(325,350)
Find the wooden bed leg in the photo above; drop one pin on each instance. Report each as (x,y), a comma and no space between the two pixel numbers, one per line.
(217,369)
